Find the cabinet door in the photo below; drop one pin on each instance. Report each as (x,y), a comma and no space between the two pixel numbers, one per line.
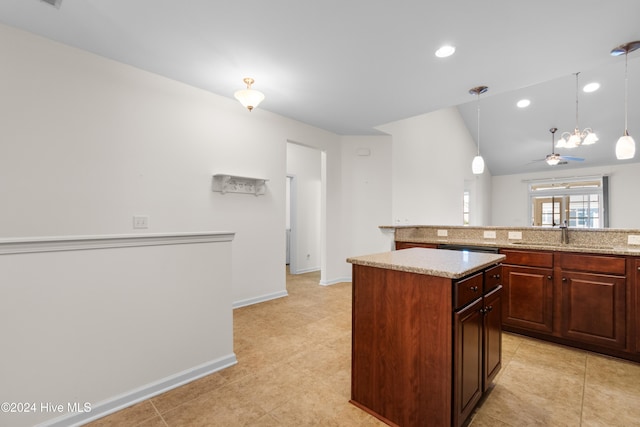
(492,336)
(636,269)
(593,308)
(467,373)
(528,298)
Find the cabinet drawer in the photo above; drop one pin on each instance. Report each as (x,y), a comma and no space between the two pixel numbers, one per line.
(592,263)
(467,290)
(528,258)
(492,278)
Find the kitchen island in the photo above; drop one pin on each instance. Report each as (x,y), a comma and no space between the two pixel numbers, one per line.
(426,334)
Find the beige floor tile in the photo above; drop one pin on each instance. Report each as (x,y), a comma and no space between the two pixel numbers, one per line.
(294,370)
(132,416)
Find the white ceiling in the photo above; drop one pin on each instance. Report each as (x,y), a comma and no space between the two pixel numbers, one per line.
(351,65)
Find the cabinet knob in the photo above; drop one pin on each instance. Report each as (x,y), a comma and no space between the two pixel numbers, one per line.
(474,288)
(564,279)
(549,277)
(489,308)
(497,276)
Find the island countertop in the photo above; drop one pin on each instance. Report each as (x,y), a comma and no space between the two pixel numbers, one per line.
(432,262)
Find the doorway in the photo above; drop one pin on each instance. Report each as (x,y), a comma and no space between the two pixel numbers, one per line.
(304,208)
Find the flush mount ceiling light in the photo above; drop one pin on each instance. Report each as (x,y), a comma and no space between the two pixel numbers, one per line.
(248,97)
(477,166)
(626,146)
(445,51)
(576,138)
(523,103)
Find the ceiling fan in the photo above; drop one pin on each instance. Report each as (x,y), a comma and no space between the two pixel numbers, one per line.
(554,158)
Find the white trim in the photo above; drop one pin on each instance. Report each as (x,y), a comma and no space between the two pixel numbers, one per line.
(132,397)
(262,298)
(306,270)
(76,243)
(335,281)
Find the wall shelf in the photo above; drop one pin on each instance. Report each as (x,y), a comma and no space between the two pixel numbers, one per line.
(225,183)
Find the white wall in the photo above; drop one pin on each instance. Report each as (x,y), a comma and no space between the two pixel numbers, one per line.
(511,199)
(431,159)
(110,321)
(304,164)
(366,192)
(86,143)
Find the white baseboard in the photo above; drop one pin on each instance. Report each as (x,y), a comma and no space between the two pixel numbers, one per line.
(257,300)
(130,398)
(335,281)
(306,270)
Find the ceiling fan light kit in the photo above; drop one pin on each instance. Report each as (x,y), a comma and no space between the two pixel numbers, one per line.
(626,146)
(477,165)
(554,158)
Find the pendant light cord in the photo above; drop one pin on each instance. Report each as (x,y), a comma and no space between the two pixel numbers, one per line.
(626,91)
(478,123)
(577,99)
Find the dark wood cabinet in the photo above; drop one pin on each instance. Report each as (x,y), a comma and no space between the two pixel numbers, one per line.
(528,294)
(593,296)
(528,291)
(492,338)
(636,291)
(593,308)
(468,375)
(477,351)
(424,348)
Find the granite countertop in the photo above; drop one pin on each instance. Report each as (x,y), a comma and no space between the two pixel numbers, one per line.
(569,247)
(432,262)
(599,241)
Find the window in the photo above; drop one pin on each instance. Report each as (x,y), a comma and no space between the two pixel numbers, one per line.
(576,202)
(465,208)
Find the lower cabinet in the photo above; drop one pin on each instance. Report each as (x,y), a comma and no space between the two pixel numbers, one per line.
(477,352)
(528,298)
(594,309)
(636,269)
(424,348)
(467,370)
(492,336)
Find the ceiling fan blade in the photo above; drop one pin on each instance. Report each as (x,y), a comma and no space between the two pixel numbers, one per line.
(572,158)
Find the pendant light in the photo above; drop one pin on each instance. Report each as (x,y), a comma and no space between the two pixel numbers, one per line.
(477,166)
(626,146)
(572,140)
(248,97)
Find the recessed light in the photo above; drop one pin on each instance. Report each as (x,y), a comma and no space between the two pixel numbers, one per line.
(523,103)
(591,87)
(445,51)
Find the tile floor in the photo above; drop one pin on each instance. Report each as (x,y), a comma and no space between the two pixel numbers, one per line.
(294,370)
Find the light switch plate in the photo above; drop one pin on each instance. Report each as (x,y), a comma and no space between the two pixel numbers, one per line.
(515,235)
(633,239)
(443,233)
(489,234)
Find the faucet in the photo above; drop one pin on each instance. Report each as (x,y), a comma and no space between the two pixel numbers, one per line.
(565,233)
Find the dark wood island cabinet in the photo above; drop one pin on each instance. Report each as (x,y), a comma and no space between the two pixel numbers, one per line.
(426,334)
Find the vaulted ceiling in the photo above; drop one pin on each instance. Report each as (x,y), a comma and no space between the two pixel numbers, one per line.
(349,66)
